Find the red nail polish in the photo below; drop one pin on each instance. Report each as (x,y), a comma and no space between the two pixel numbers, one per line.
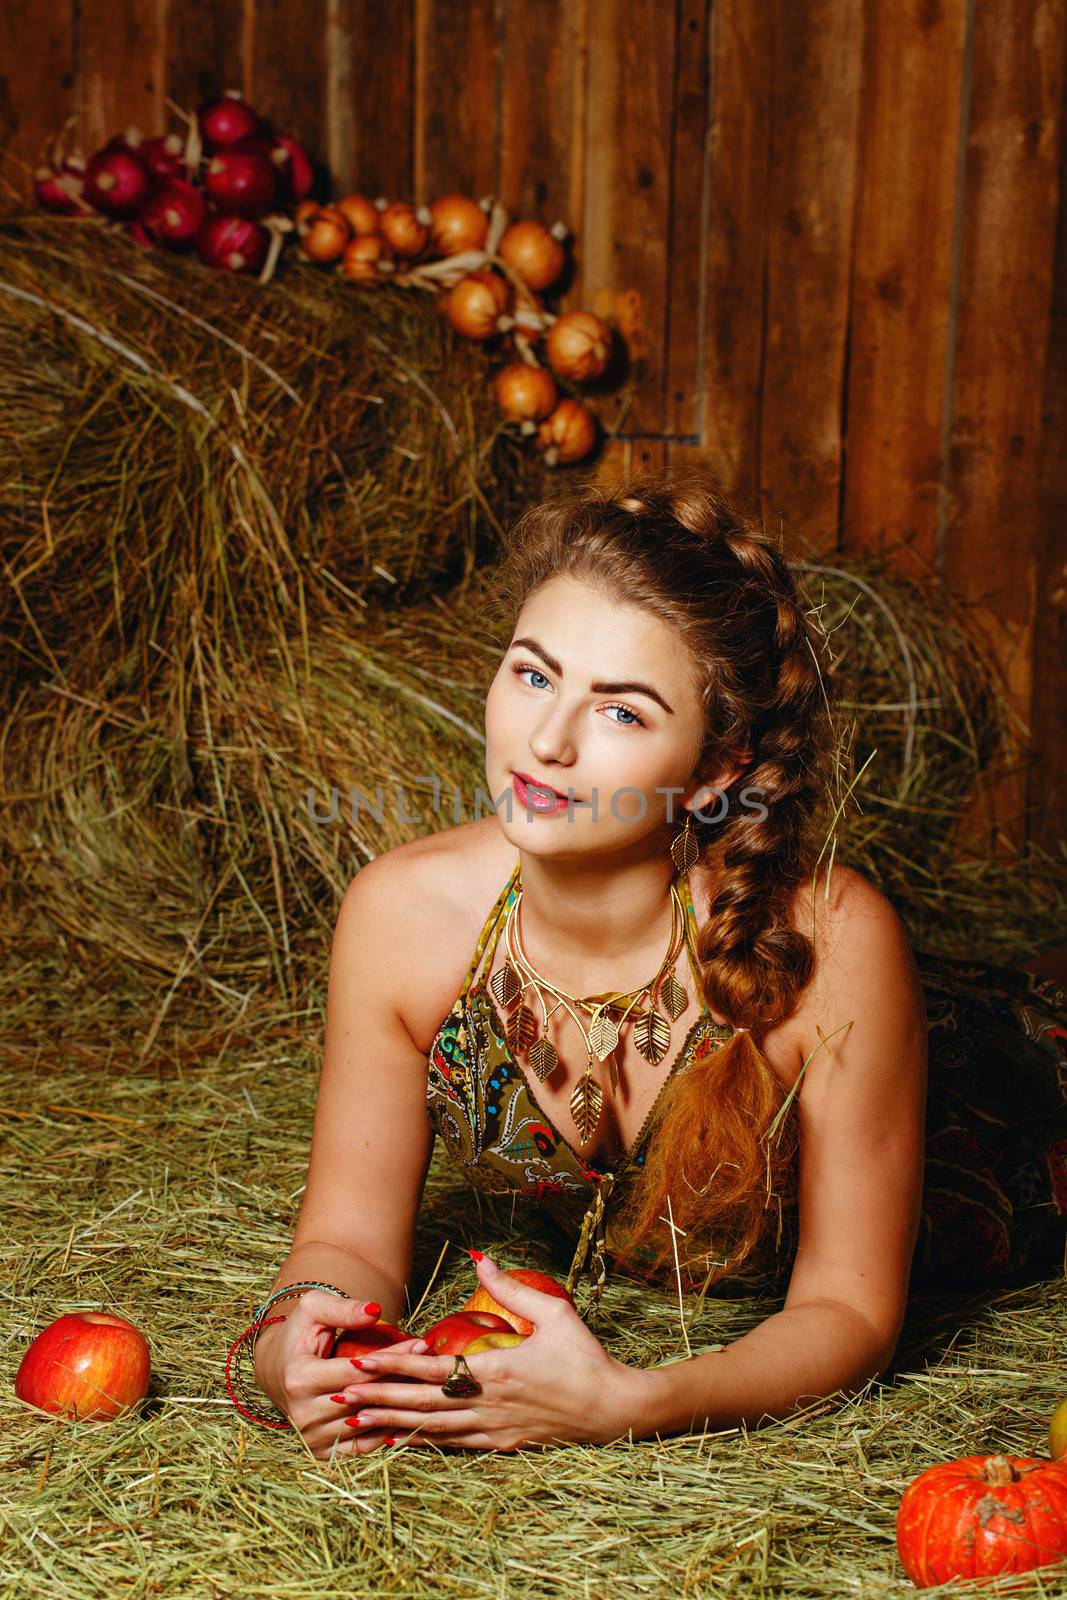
(391,1439)
(476,1254)
(341,1401)
(372,1309)
(356,1362)
(356,1422)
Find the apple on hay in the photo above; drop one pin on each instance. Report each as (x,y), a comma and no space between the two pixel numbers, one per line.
(87,1364)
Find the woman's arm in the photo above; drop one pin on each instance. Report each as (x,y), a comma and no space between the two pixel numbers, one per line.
(862,1103)
(371,1141)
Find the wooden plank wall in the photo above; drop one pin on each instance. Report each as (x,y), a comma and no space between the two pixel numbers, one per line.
(831,230)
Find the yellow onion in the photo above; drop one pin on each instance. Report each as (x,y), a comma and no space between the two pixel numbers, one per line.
(457,223)
(361,214)
(303,214)
(367,258)
(401,226)
(324,235)
(533,252)
(568,434)
(473,307)
(579,346)
(525,393)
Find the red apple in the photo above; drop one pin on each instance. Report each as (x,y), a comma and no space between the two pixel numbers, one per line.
(362,1341)
(86,1364)
(482,1300)
(454,1332)
(495,1341)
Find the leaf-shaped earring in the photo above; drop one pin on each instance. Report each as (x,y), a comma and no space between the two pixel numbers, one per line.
(685,852)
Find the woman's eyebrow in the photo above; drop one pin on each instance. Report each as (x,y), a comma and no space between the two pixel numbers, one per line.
(597,688)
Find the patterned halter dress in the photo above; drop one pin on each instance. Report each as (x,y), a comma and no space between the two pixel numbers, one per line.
(995,1182)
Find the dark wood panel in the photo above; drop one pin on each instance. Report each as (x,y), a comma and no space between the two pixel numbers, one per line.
(741,94)
(205,50)
(371,110)
(540,111)
(1011,196)
(817,72)
(623,247)
(457,127)
(121,71)
(1048,784)
(904,279)
(37,91)
(286,68)
(688,243)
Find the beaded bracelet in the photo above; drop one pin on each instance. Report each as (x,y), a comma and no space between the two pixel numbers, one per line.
(289,1291)
(235,1385)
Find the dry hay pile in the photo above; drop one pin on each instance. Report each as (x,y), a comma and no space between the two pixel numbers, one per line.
(184,444)
(190,654)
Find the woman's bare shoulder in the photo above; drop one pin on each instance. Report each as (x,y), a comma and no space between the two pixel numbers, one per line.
(436,892)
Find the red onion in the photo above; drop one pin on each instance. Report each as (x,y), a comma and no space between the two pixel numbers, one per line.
(297,170)
(226,121)
(233,244)
(60,192)
(240,181)
(163,156)
(130,141)
(176,213)
(117,182)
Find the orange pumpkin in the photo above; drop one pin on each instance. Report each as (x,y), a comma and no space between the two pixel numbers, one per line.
(980,1515)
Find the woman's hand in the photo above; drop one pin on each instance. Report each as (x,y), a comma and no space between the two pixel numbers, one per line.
(559,1386)
(295,1369)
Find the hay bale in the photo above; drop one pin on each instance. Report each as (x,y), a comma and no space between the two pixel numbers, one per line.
(178,438)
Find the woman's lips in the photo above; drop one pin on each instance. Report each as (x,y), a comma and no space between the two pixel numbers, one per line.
(538,800)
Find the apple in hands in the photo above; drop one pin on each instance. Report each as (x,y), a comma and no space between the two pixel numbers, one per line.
(364,1341)
(482,1300)
(496,1341)
(454,1333)
(87,1364)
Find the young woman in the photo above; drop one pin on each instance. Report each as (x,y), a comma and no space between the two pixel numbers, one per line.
(694,1046)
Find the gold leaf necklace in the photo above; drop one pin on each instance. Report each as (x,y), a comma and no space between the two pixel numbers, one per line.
(652,1033)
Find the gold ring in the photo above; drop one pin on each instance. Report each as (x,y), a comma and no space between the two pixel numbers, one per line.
(461,1381)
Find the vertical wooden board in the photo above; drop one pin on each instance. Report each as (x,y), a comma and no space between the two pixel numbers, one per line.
(1048,719)
(205,51)
(370,79)
(688,241)
(903,281)
(817,74)
(286,69)
(622,254)
(741,93)
(1011,193)
(120,68)
(457,126)
(542,67)
(622,456)
(36,93)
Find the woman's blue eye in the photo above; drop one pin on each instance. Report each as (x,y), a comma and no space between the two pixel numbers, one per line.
(638,722)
